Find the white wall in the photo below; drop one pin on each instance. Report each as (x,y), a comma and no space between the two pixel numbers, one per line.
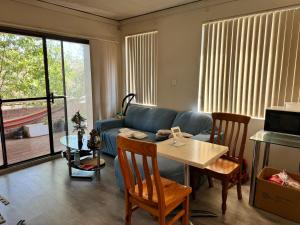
(179,38)
(34,16)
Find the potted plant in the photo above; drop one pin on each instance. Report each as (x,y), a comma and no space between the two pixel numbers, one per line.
(79,126)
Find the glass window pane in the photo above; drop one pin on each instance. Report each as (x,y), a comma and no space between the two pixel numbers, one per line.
(78,81)
(55,67)
(22,67)
(26,130)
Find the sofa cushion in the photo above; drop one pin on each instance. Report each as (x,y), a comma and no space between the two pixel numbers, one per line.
(193,122)
(149,119)
(110,139)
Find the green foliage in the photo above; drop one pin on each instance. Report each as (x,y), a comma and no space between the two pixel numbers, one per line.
(55,67)
(21,67)
(22,73)
(74,55)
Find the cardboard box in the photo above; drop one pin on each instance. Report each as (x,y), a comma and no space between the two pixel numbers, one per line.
(280,200)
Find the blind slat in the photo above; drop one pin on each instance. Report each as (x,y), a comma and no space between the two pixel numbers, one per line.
(250,63)
(141,68)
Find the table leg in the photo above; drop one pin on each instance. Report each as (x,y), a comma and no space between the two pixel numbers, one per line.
(186,175)
(98,164)
(195,212)
(69,161)
(255,162)
(266,155)
(187,179)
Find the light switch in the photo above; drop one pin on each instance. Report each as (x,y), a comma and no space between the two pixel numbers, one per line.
(174,83)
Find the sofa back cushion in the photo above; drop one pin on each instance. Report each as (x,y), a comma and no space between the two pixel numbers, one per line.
(148,118)
(193,122)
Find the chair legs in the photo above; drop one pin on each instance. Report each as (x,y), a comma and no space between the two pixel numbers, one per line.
(194,194)
(186,217)
(239,186)
(162,220)
(128,210)
(194,180)
(224,194)
(193,185)
(210,181)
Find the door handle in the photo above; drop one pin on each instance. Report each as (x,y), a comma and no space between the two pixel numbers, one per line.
(52,97)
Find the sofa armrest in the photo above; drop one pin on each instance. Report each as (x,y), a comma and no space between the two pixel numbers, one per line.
(102,125)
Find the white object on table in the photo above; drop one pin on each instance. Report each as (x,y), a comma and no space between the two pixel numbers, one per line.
(177,143)
(176,132)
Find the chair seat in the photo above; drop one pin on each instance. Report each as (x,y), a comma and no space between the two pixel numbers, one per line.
(223,166)
(173,191)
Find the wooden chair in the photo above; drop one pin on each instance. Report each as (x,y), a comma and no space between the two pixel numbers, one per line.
(228,167)
(157,195)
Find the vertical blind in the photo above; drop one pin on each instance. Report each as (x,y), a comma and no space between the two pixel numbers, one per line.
(250,63)
(141,67)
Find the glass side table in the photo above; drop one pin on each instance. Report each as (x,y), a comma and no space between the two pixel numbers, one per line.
(83,162)
(268,138)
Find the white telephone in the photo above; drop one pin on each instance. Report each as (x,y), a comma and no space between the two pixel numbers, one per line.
(176,132)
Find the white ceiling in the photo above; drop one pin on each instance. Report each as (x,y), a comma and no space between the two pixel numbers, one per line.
(118,9)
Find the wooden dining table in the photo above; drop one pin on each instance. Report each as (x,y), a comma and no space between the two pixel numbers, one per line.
(190,152)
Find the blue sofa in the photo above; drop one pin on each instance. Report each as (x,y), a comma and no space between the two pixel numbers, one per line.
(149,120)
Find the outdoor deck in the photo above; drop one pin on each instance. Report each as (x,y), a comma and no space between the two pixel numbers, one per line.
(30,147)
(27,148)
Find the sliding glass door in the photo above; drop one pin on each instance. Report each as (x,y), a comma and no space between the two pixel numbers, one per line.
(24,98)
(36,74)
(55,58)
(78,81)
(70,86)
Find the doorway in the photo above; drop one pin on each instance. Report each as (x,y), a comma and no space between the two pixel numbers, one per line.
(44,80)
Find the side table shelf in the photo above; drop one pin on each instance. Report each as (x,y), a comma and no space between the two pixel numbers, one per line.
(82,162)
(88,161)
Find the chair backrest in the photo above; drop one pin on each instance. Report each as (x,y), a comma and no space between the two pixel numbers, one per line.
(132,174)
(232,135)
